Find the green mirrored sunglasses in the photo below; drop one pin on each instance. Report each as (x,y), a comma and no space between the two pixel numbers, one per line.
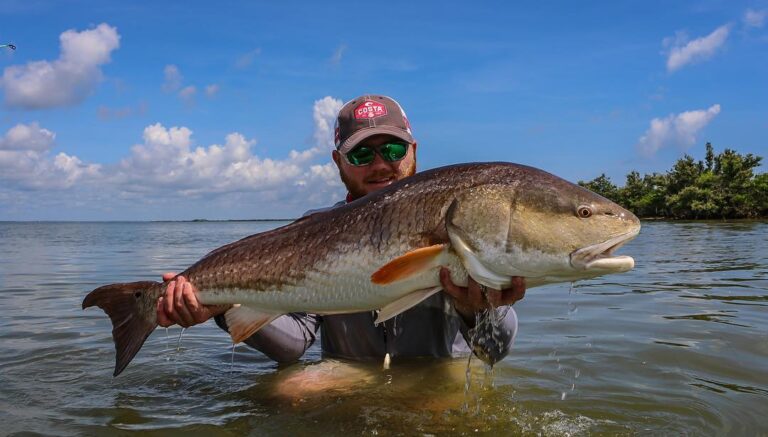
(364,155)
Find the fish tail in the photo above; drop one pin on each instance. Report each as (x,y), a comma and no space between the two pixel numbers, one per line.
(132,308)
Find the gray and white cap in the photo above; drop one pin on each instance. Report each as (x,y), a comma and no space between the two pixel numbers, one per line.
(370,115)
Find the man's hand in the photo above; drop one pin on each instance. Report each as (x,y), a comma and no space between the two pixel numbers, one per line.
(469,300)
(180,306)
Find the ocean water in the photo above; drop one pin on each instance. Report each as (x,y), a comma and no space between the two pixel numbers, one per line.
(677,346)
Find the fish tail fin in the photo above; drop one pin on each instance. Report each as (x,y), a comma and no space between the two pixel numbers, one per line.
(132,309)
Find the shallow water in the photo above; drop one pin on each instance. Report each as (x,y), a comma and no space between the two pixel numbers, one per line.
(677,346)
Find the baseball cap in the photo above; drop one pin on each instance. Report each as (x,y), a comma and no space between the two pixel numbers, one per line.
(370,115)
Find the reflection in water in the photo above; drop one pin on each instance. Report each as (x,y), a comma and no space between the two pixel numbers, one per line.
(718,318)
(677,346)
(729,386)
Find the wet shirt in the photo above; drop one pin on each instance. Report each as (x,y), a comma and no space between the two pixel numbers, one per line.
(432,328)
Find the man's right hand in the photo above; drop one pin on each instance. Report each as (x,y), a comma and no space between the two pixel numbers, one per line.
(180,306)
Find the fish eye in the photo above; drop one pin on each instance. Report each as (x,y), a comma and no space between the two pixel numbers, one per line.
(584,211)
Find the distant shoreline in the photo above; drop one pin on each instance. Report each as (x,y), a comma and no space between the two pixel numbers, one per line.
(152,221)
(642,219)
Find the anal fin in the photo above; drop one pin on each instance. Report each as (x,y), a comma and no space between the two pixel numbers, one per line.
(244,321)
(412,263)
(404,303)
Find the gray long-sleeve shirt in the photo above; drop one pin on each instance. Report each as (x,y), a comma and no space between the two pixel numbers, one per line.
(432,328)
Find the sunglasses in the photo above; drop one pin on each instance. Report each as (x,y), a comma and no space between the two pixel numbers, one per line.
(364,155)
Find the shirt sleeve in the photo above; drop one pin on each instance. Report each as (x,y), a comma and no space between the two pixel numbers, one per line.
(491,342)
(285,339)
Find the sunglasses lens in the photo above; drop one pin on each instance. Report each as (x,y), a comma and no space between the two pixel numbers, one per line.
(361,155)
(365,155)
(393,151)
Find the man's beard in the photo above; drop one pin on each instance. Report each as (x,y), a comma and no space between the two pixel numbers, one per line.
(357,190)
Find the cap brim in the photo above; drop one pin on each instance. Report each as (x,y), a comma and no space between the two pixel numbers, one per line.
(362,134)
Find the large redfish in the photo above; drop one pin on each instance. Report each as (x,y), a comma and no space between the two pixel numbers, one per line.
(383,251)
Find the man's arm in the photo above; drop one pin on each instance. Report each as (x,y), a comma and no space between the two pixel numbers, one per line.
(284,340)
(490,342)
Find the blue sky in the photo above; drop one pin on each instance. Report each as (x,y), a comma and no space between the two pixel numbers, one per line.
(221,110)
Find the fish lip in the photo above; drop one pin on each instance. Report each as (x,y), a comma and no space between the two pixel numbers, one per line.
(600,255)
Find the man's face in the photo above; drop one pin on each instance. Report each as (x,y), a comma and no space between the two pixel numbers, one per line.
(378,174)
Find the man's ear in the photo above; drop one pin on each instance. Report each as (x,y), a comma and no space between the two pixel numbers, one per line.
(414,144)
(336,158)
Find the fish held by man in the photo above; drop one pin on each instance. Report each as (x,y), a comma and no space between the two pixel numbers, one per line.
(491,221)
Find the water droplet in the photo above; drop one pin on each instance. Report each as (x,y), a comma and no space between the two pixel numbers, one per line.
(178,343)
(232,362)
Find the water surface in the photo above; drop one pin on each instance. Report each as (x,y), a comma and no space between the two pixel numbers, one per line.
(677,346)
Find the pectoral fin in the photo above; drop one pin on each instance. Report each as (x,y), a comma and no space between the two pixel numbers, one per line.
(244,321)
(404,303)
(412,263)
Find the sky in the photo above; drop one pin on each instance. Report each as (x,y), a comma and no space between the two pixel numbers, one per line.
(224,110)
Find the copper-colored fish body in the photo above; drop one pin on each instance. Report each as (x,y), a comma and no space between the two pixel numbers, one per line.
(383,251)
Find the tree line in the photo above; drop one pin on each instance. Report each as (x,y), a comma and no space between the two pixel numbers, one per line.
(722,186)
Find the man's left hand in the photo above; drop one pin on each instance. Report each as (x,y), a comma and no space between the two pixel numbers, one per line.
(469,300)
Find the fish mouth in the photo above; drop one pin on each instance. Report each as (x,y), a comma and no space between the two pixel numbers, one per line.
(599,257)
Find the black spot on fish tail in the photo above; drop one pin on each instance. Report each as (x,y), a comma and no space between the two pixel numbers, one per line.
(133,317)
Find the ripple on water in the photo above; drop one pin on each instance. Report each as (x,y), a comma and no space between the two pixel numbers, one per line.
(660,350)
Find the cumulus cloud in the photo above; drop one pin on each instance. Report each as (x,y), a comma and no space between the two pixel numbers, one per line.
(324,114)
(166,160)
(754,18)
(683,52)
(26,161)
(676,130)
(172,78)
(167,166)
(27,137)
(212,89)
(69,79)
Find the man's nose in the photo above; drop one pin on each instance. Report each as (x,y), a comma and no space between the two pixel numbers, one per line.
(379,163)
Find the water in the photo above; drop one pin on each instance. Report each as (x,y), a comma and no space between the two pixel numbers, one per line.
(677,346)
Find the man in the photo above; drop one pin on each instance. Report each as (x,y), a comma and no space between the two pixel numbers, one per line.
(374,148)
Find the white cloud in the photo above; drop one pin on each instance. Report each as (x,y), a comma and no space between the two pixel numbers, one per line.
(324,114)
(338,54)
(26,162)
(754,18)
(212,89)
(683,52)
(69,79)
(676,130)
(245,60)
(27,137)
(167,167)
(172,78)
(167,161)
